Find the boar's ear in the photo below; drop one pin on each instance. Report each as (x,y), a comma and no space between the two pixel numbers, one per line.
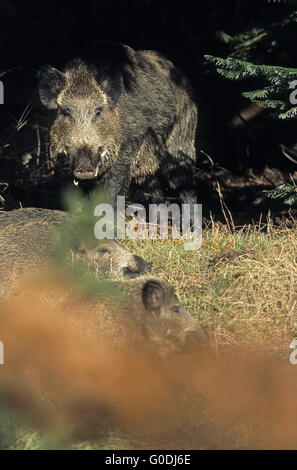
(111,82)
(153,295)
(51,82)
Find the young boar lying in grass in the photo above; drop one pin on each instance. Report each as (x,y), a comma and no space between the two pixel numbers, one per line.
(28,241)
(146,312)
(97,360)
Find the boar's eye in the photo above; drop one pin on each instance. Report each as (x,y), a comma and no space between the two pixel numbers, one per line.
(104,251)
(65,112)
(81,251)
(98,112)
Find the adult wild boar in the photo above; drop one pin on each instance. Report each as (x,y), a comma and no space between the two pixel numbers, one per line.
(128,115)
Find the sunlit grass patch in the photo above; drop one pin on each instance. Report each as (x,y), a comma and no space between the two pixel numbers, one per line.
(242,285)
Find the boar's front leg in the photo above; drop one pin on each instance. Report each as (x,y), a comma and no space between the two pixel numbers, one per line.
(180,173)
(119,182)
(179,170)
(120,175)
(154,187)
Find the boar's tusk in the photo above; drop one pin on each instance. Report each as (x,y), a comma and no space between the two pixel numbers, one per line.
(75,183)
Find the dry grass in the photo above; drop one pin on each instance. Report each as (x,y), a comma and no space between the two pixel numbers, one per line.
(242,286)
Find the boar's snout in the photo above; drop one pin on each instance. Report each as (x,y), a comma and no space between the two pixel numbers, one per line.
(140,266)
(83,173)
(85,163)
(194,338)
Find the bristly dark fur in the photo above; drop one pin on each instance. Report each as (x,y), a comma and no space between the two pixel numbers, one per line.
(128,115)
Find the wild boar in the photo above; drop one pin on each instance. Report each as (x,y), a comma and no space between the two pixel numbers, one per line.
(87,364)
(126,115)
(28,241)
(146,314)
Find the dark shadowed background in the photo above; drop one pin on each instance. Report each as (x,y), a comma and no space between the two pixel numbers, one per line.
(246,152)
